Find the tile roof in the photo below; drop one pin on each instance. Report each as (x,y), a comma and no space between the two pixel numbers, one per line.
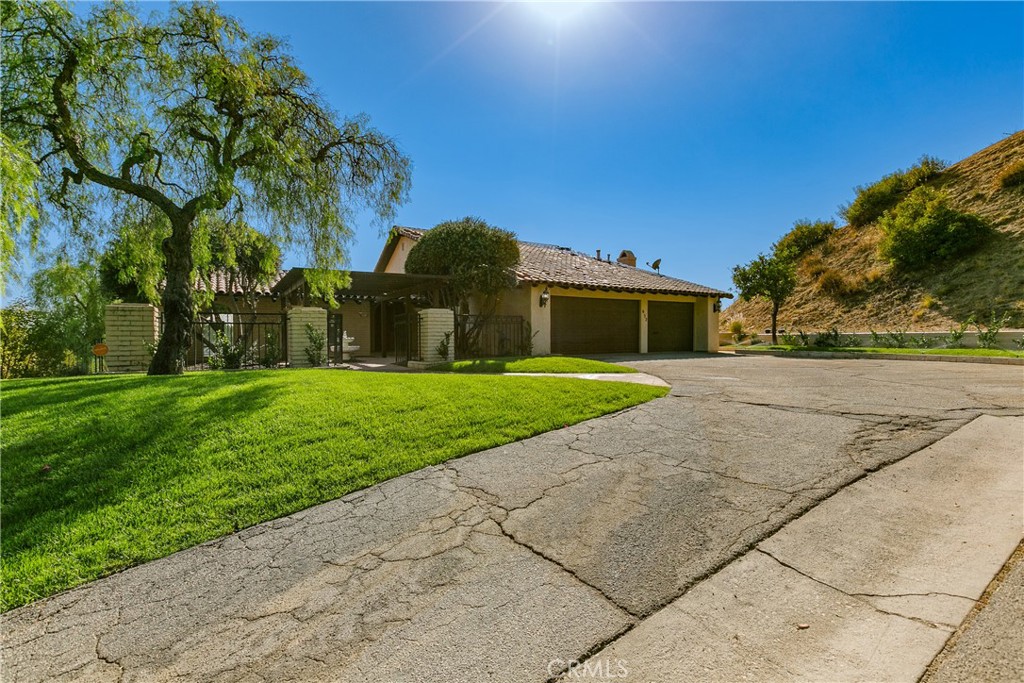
(563,267)
(220,283)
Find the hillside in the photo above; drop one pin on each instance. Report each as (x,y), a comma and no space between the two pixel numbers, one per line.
(875,295)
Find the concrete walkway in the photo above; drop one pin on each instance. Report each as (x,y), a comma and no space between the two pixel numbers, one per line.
(629,377)
(582,544)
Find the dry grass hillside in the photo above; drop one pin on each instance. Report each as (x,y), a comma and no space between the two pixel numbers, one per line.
(844,283)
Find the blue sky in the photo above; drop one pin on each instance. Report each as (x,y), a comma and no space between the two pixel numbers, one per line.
(695,133)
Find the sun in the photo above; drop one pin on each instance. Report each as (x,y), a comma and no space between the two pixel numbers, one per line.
(561,12)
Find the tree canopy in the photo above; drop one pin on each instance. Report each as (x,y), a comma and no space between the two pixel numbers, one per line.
(167,125)
(770,277)
(478,258)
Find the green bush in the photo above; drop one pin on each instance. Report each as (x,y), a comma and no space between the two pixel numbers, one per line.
(874,200)
(804,236)
(988,335)
(1012,176)
(924,229)
(317,342)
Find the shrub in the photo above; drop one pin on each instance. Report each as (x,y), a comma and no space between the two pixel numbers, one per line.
(988,335)
(924,229)
(922,342)
(804,236)
(271,350)
(832,283)
(736,330)
(1012,176)
(1019,343)
(315,350)
(897,339)
(955,338)
(227,354)
(874,200)
(790,339)
(444,345)
(829,338)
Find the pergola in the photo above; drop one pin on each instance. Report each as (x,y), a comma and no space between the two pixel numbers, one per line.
(364,286)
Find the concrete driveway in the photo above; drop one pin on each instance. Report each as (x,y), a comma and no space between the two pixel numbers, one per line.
(600,541)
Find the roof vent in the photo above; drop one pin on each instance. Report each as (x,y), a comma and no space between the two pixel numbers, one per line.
(627,258)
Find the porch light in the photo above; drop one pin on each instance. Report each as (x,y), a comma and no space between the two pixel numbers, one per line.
(717,308)
(545,297)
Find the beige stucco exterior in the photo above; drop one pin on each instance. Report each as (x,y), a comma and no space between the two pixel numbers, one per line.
(524,301)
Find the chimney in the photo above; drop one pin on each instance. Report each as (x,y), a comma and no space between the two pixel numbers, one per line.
(627,258)
(598,254)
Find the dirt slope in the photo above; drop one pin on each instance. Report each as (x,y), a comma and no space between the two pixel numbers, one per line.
(876,296)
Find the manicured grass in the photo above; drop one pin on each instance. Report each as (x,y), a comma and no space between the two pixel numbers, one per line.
(544,364)
(869,349)
(101,473)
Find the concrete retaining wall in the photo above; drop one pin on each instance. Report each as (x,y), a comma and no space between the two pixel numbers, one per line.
(970,340)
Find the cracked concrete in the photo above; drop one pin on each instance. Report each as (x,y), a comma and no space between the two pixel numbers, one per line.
(491,566)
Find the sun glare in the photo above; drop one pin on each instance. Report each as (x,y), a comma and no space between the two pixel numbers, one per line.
(559,13)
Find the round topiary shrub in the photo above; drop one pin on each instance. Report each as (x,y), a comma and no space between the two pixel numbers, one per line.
(924,229)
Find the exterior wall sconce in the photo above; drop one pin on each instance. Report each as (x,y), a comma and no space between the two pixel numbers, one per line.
(545,297)
(717,308)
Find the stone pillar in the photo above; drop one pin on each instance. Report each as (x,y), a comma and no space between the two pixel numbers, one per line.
(540,322)
(435,323)
(131,330)
(298,338)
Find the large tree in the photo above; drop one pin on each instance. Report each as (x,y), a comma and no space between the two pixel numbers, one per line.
(183,118)
(478,260)
(769,277)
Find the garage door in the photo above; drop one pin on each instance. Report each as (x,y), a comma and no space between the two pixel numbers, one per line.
(669,326)
(581,325)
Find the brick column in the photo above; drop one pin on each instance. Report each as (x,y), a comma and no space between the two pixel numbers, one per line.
(130,330)
(298,339)
(434,324)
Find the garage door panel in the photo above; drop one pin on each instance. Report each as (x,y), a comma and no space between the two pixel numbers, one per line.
(669,326)
(582,325)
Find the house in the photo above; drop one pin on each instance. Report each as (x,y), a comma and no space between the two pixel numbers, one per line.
(562,302)
(581,304)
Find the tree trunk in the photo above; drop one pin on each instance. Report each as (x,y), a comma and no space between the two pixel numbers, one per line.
(178,310)
(775,323)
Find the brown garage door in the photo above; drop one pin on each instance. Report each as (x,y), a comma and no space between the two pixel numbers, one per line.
(580,325)
(669,326)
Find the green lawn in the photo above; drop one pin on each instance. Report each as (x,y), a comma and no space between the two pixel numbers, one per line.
(543,364)
(101,473)
(869,349)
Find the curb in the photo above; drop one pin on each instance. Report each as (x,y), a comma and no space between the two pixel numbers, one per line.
(992,360)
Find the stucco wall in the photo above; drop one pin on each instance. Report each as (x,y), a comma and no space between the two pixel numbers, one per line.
(396,264)
(355,322)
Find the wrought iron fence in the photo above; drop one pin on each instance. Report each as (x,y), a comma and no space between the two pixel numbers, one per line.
(407,337)
(479,336)
(232,341)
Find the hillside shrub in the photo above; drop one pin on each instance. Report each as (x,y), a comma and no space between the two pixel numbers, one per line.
(804,236)
(874,200)
(831,283)
(924,229)
(1012,176)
